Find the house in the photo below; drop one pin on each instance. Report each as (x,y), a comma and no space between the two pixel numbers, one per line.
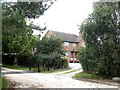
(70,42)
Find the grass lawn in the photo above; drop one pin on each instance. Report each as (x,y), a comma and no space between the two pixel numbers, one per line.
(16,67)
(27,68)
(90,76)
(57,70)
(4,82)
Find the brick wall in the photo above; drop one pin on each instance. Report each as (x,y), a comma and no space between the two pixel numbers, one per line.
(81,43)
(69,48)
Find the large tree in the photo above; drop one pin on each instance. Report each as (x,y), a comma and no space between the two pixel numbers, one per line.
(17,36)
(101,33)
(49,53)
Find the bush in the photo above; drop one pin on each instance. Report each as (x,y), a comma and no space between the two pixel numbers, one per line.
(86,58)
(102,40)
(7,59)
(51,61)
(49,53)
(24,59)
(21,59)
(102,65)
(65,62)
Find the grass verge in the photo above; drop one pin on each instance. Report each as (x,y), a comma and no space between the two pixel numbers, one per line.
(96,78)
(56,70)
(16,67)
(69,71)
(89,76)
(27,68)
(4,82)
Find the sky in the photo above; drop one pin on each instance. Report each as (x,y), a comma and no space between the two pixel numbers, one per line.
(65,15)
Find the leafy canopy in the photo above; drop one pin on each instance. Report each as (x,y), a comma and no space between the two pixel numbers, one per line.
(17,36)
(101,33)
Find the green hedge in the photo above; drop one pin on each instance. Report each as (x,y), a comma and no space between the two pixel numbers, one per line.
(45,62)
(93,62)
(65,63)
(51,61)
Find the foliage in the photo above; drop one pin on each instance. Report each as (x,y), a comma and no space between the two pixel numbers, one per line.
(47,57)
(49,45)
(49,53)
(50,61)
(101,34)
(27,9)
(17,36)
(65,62)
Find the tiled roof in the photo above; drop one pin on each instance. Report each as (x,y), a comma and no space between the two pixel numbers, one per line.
(66,37)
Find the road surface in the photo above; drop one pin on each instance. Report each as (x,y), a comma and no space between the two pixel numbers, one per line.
(26,79)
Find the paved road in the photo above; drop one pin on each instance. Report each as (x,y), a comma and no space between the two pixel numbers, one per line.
(27,79)
(75,66)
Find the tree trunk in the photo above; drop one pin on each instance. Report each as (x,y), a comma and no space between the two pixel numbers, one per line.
(34,66)
(29,68)
(15,61)
(38,68)
(48,68)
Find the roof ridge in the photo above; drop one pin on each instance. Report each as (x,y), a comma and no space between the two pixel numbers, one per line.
(63,32)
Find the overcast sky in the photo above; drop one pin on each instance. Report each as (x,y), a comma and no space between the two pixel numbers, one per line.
(65,15)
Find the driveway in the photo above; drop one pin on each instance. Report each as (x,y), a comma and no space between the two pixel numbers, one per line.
(25,79)
(75,66)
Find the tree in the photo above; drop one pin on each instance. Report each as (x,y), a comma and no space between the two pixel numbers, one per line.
(101,33)
(17,36)
(49,53)
(49,45)
(27,9)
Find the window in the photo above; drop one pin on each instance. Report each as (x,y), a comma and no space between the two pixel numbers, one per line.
(66,44)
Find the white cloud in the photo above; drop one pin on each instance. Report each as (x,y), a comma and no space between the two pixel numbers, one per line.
(64,15)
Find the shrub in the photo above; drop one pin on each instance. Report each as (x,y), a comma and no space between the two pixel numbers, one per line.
(64,63)
(92,62)
(102,40)
(49,53)
(7,59)
(51,61)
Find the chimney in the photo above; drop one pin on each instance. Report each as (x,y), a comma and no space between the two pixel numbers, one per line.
(80,34)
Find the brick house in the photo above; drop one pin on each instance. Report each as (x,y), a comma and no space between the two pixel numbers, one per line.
(70,42)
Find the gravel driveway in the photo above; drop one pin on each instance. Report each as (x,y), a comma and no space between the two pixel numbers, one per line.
(27,79)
